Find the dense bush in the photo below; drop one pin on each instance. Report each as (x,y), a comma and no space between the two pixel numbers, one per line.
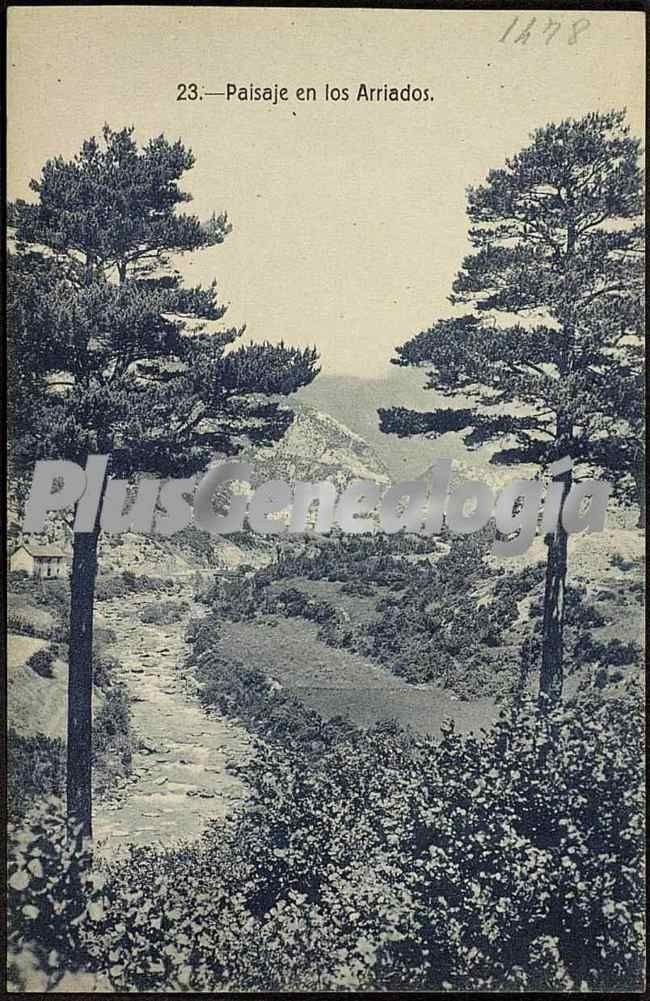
(105,665)
(244,692)
(505,861)
(55,596)
(509,861)
(143,583)
(108,587)
(431,630)
(36,763)
(202,634)
(163,613)
(520,583)
(41,662)
(426,625)
(53,894)
(19,624)
(292,602)
(613,653)
(120,585)
(112,739)
(112,720)
(229,686)
(35,770)
(578,613)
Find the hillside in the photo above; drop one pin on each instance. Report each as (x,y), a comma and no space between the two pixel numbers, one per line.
(445,616)
(315,447)
(410,624)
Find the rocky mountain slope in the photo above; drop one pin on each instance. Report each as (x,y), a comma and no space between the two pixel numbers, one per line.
(355,401)
(318,447)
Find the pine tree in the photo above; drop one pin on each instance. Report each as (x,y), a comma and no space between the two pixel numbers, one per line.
(111,355)
(559,262)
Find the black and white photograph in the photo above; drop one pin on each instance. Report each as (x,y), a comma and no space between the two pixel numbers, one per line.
(325,499)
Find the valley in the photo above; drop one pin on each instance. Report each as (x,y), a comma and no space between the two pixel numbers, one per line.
(382,655)
(256,698)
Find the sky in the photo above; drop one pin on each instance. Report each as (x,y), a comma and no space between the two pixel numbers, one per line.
(348,217)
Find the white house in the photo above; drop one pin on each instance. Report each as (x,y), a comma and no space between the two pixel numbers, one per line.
(39,561)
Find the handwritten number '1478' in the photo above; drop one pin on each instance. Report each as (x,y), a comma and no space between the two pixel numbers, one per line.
(549,32)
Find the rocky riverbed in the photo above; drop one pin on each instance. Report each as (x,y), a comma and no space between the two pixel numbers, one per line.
(181,763)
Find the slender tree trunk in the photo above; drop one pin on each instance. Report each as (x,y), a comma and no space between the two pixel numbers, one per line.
(80,682)
(552,670)
(551,679)
(80,675)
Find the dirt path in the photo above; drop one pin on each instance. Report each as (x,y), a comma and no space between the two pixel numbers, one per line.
(180,774)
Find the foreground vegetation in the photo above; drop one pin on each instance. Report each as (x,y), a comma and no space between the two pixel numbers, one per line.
(506,860)
(36,761)
(376,859)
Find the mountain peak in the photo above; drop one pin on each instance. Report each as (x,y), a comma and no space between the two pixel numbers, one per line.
(318,447)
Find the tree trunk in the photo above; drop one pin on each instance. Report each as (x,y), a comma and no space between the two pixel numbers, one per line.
(552,672)
(80,682)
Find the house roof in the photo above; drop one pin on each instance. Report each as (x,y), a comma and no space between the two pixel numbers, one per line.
(43,552)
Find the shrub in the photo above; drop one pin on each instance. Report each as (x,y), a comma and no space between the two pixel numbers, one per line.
(104,636)
(506,861)
(600,678)
(511,860)
(578,613)
(619,561)
(41,662)
(18,624)
(104,669)
(613,653)
(163,613)
(55,596)
(112,720)
(245,692)
(35,770)
(230,687)
(319,611)
(110,587)
(51,891)
(19,581)
(142,582)
(112,739)
(203,634)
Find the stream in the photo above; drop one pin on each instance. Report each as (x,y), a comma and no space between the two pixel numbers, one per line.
(180,778)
